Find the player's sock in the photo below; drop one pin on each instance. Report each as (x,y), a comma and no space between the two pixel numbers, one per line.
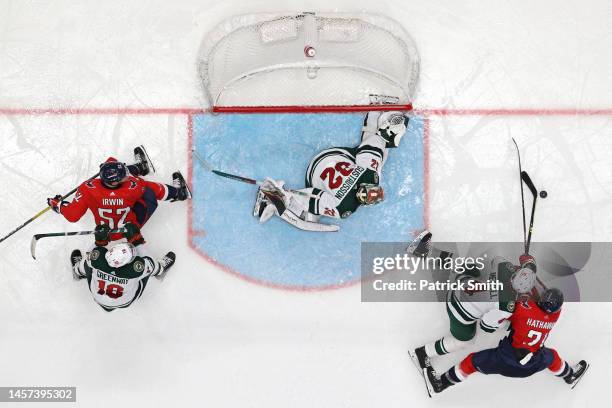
(445,345)
(436,348)
(165,264)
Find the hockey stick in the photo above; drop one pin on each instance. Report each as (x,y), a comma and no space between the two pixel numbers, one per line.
(242,179)
(518,153)
(36,237)
(527,180)
(68,194)
(524,178)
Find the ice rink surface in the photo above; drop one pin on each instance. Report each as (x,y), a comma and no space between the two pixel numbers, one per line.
(80,81)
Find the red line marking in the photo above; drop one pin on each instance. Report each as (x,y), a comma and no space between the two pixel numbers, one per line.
(101,111)
(267,284)
(308,109)
(513,112)
(190,232)
(294,109)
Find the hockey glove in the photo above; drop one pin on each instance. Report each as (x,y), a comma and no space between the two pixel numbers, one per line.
(102,232)
(528,261)
(132,234)
(56,203)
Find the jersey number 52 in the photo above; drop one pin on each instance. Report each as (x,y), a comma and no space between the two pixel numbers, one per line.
(107,215)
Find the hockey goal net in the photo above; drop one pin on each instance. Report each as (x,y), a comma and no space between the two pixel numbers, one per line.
(308,62)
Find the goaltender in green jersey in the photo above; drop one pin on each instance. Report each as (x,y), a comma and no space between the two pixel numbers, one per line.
(115,271)
(339,180)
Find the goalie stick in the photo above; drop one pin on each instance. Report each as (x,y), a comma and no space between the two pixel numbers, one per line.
(247,180)
(286,215)
(36,237)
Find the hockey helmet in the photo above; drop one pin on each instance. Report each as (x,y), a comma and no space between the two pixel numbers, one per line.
(370,194)
(392,126)
(523,280)
(551,300)
(113,173)
(120,254)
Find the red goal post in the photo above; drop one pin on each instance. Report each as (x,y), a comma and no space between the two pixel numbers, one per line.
(308,62)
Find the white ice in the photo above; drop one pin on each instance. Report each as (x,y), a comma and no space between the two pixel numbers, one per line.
(205,338)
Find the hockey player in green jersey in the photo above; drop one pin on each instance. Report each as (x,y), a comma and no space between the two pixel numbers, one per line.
(116,274)
(339,180)
(467,309)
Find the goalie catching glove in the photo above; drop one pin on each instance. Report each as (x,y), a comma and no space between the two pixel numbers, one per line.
(272,199)
(392,126)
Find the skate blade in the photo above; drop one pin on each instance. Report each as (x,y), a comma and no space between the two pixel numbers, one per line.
(148,158)
(428,386)
(189,194)
(415,362)
(578,380)
(415,242)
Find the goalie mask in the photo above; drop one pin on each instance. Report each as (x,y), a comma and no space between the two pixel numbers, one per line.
(392,126)
(120,255)
(370,194)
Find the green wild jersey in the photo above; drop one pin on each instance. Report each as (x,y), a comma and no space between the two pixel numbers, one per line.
(334,177)
(490,306)
(114,288)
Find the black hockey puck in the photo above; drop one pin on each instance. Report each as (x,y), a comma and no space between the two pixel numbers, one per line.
(543,194)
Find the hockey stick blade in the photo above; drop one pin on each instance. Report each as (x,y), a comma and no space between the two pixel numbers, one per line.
(234,177)
(36,237)
(240,178)
(415,361)
(428,386)
(527,180)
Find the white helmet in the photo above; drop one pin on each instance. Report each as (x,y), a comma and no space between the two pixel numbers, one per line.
(121,254)
(392,126)
(523,280)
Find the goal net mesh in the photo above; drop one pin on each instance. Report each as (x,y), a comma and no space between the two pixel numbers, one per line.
(307,59)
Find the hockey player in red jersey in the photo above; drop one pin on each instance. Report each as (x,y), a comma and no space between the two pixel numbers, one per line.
(522,353)
(120,195)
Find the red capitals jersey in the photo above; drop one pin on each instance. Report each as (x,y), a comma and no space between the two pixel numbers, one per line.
(531,325)
(113,207)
